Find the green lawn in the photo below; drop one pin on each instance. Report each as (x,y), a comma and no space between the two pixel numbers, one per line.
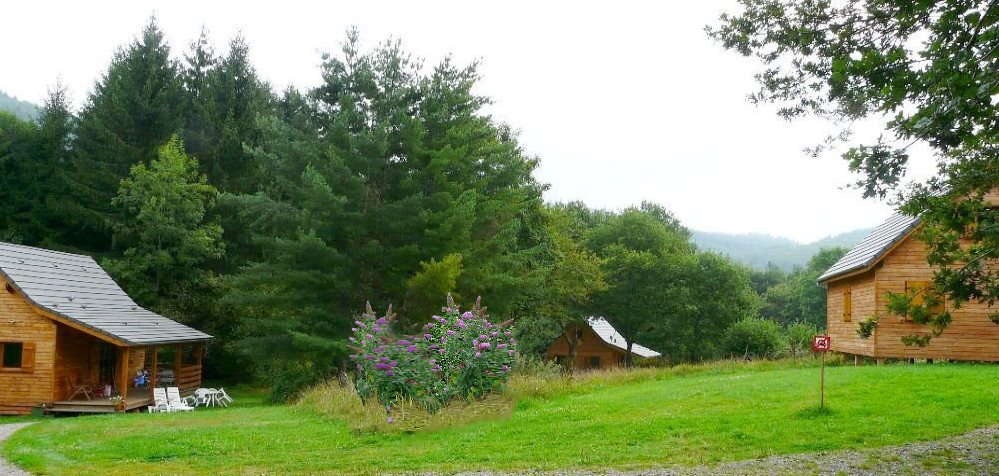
(693,419)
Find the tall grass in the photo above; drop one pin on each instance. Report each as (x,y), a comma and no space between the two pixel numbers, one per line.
(532,380)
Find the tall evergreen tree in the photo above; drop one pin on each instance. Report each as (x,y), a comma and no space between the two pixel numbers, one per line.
(134,109)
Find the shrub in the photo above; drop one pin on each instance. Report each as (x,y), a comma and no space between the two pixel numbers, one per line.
(799,337)
(459,354)
(755,337)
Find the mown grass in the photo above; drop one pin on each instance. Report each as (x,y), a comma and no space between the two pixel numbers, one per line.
(646,418)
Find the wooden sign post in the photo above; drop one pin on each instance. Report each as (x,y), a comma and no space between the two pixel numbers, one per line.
(820,344)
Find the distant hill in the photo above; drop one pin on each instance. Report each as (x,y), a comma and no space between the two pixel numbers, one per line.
(757,249)
(22,109)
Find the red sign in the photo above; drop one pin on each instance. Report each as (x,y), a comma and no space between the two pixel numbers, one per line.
(821,343)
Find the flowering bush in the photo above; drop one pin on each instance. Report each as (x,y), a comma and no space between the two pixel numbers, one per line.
(459,354)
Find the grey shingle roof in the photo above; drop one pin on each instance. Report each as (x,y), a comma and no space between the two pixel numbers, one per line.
(614,338)
(75,287)
(873,247)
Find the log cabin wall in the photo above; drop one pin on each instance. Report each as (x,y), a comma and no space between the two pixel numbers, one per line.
(77,360)
(30,385)
(970,336)
(591,346)
(857,293)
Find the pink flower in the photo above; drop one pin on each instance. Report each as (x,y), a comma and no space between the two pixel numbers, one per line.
(450,332)
(485,345)
(467,315)
(478,354)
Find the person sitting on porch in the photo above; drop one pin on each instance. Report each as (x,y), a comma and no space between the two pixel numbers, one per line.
(141,379)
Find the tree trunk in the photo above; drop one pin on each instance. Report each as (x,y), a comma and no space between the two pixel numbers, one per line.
(627,357)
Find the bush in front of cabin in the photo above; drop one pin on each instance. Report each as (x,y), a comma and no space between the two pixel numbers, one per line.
(473,355)
(799,337)
(755,338)
(460,354)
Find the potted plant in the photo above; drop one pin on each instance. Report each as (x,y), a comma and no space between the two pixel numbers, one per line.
(119,403)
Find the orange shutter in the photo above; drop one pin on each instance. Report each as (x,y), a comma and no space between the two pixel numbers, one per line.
(28,357)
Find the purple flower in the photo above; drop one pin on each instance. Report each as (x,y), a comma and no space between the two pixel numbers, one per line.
(460,323)
(376,328)
(428,337)
(507,333)
(389,373)
(506,368)
(485,345)
(450,332)
(359,323)
(353,329)
(358,366)
(443,339)
(411,349)
(352,339)
(404,342)
(394,363)
(390,419)
(381,321)
(369,357)
(509,352)
(478,354)
(379,349)
(433,361)
(430,325)
(435,347)
(467,315)
(483,337)
(383,366)
(494,334)
(353,356)
(383,359)
(441,351)
(500,346)
(369,336)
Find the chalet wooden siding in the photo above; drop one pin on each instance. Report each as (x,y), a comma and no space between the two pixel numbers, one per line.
(900,262)
(971,335)
(844,333)
(20,389)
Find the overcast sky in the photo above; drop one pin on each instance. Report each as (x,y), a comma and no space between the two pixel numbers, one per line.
(622,101)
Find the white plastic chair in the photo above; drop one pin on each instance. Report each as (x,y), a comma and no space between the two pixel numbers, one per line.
(175,402)
(161,404)
(223,397)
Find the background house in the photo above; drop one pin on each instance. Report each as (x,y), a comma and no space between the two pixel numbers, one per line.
(600,346)
(893,260)
(69,333)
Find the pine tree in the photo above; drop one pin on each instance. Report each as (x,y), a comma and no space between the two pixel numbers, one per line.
(134,109)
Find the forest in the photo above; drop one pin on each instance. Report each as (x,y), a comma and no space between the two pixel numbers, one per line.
(269,218)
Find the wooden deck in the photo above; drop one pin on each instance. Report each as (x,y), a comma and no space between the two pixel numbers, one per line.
(137,399)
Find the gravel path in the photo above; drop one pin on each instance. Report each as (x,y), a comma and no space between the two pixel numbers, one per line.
(974,453)
(7,469)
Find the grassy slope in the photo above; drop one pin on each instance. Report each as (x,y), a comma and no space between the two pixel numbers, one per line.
(699,418)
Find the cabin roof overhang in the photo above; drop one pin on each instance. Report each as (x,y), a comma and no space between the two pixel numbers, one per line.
(75,291)
(866,255)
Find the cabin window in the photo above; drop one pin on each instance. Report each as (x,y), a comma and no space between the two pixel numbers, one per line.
(11,355)
(847,305)
(920,291)
(595,362)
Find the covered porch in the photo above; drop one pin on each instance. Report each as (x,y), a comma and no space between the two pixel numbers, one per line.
(91,372)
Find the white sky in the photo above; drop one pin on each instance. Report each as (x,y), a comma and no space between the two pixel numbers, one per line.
(623,101)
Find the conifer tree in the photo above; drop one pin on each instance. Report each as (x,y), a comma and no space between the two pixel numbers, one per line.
(134,109)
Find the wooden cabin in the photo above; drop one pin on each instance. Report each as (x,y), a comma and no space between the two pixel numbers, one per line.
(70,338)
(893,260)
(600,346)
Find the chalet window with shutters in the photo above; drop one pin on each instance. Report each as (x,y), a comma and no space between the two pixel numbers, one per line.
(11,355)
(920,292)
(17,357)
(847,305)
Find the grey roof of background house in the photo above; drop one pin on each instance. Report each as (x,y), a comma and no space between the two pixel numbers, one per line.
(76,288)
(872,248)
(612,337)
